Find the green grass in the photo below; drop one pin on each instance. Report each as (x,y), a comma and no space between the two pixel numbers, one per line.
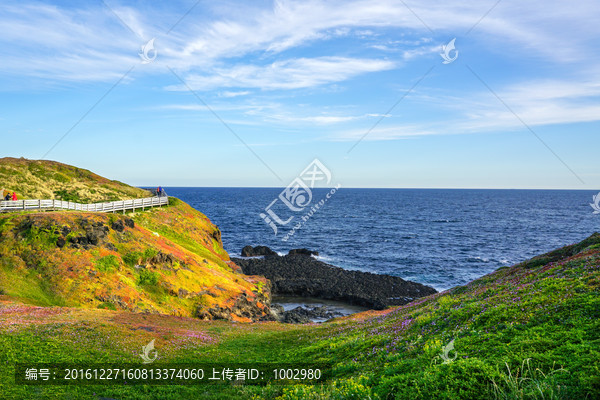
(529,383)
(526,332)
(146,277)
(133,258)
(108,263)
(66,195)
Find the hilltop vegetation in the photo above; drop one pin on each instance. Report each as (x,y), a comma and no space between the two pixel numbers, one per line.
(41,179)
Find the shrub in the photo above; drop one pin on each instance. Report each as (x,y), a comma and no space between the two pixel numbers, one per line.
(147,278)
(44,237)
(107,263)
(67,196)
(132,258)
(61,178)
(137,257)
(149,253)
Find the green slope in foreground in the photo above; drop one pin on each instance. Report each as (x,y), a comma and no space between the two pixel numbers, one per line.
(531,331)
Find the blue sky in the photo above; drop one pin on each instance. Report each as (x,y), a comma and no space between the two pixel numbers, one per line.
(288,81)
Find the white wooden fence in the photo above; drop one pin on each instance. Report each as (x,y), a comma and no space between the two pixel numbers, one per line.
(112,206)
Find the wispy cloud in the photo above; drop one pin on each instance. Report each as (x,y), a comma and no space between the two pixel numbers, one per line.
(65,45)
(288,74)
(274,113)
(229,94)
(92,44)
(537,103)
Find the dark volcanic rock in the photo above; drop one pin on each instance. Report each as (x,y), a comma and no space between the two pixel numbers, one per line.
(96,234)
(305,252)
(277,309)
(118,225)
(295,317)
(304,276)
(305,314)
(250,251)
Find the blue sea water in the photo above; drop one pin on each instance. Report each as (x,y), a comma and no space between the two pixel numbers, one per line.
(438,237)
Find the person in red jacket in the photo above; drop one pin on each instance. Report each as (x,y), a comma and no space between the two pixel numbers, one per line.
(14,196)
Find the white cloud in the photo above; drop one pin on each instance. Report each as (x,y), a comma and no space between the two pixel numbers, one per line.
(60,43)
(250,109)
(404,131)
(273,113)
(537,103)
(48,42)
(229,94)
(288,74)
(312,119)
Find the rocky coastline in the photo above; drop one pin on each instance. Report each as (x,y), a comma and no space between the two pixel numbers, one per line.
(300,274)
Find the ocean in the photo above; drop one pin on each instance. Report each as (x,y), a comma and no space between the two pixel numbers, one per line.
(438,237)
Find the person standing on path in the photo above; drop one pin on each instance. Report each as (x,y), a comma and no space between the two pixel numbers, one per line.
(14,196)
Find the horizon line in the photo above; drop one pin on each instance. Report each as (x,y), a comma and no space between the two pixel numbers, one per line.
(362,188)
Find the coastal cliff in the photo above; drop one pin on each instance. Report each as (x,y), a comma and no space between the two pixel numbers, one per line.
(167,260)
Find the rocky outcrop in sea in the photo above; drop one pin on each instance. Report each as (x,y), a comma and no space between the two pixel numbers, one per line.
(299,274)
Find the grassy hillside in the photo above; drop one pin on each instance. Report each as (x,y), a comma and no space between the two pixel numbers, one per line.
(96,260)
(531,331)
(167,260)
(40,179)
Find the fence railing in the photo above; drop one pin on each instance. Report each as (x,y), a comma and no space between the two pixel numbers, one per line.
(111,206)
